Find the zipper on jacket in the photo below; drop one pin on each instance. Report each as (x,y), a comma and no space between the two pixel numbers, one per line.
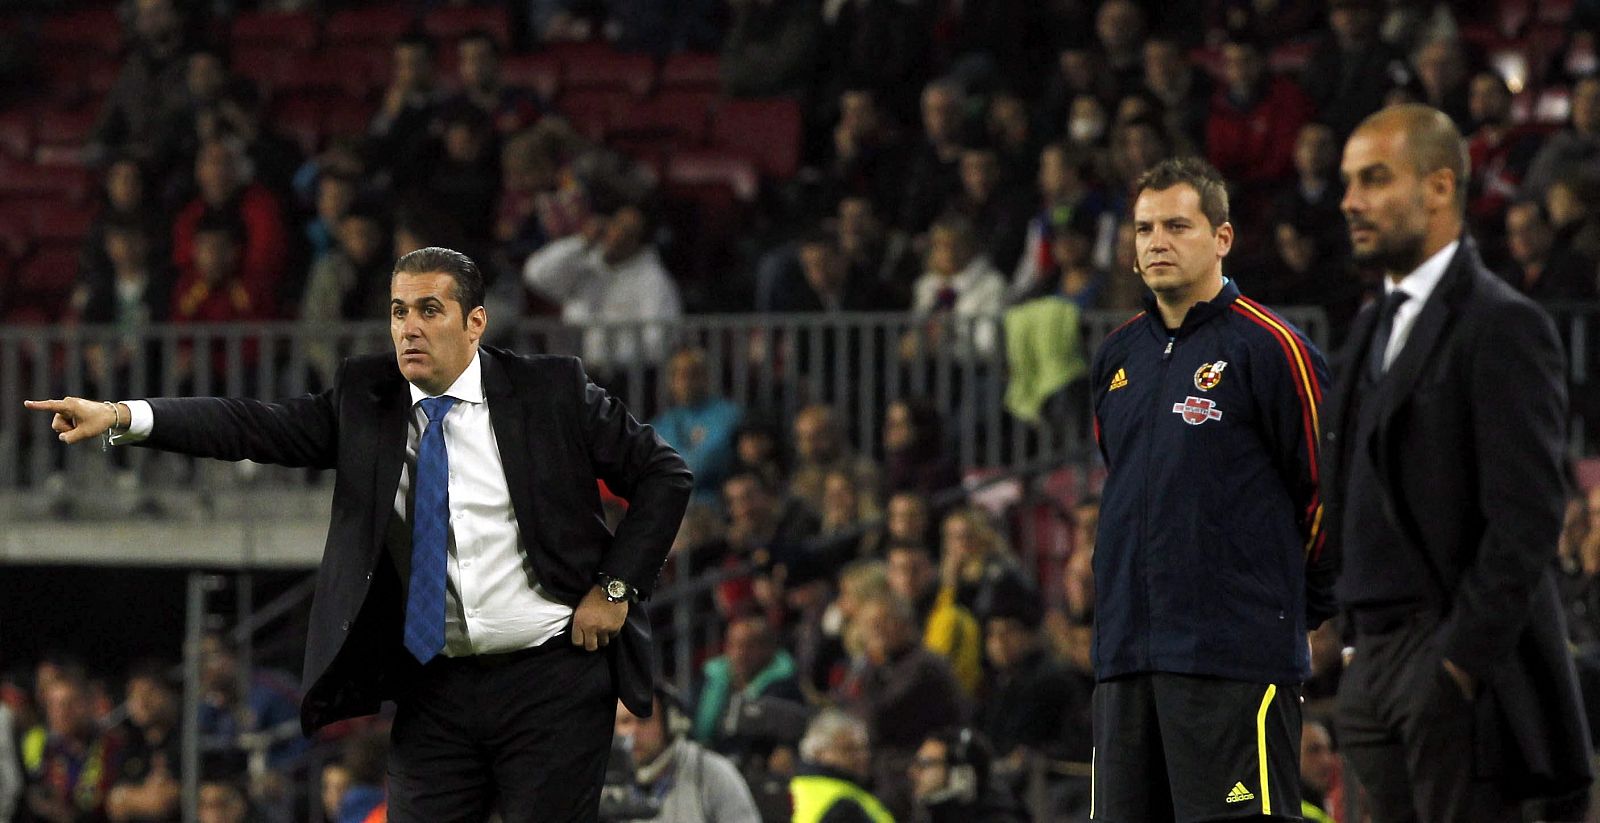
(1167,355)
(1144,499)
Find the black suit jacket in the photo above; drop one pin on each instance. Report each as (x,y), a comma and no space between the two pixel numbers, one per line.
(1466,434)
(557,433)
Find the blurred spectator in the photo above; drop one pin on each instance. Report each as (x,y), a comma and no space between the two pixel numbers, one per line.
(127,196)
(480,85)
(1125,289)
(610,274)
(1278,21)
(831,653)
(1119,26)
(239,119)
(766,530)
(828,281)
(1352,69)
(974,558)
(1441,70)
(916,449)
(947,628)
(227,194)
(1574,147)
(464,179)
(10,763)
(758,449)
(133,291)
(1065,195)
(335,782)
(1312,201)
(836,766)
(699,424)
(771,48)
(934,173)
(908,519)
(693,783)
(366,756)
(1033,706)
(958,298)
(349,284)
(1076,78)
(846,509)
(399,132)
(864,157)
(821,446)
(151,86)
(147,786)
(1012,136)
(952,780)
(871,246)
(665,28)
(1321,783)
(266,702)
(541,199)
(1574,207)
(877,45)
(216,290)
(336,193)
(79,763)
(1300,270)
(1136,145)
(753,666)
(222,800)
(1071,627)
(1184,92)
(1255,119)
(1538,267)
(906,693)
(1045,357)
(997,209)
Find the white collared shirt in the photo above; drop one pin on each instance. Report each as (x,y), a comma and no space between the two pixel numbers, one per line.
(492,602)
(1419,284)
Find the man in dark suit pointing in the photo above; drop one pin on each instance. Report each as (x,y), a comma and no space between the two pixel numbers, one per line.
(1444,494)
(468,574)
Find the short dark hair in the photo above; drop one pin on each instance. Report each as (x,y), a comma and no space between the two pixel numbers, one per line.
(468,290)
(155,671)
(1198,175)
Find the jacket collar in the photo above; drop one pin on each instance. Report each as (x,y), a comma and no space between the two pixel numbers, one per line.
(1199,314)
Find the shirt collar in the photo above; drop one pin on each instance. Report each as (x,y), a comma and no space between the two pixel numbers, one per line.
(468,387)
(1422,280)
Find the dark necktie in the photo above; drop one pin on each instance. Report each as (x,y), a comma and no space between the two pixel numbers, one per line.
(1381,334)
(430,534)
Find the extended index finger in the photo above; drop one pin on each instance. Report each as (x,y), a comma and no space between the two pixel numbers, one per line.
(46,405)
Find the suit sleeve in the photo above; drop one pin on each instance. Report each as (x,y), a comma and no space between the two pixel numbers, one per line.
(641,468)
(301,432)
(1519,441)
(1294,418)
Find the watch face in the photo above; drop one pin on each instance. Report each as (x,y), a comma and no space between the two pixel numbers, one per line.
(616,589)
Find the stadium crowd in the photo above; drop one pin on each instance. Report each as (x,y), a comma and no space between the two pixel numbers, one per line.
(951,159)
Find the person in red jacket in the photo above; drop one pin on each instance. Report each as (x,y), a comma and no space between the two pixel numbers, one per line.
(224,187)
(1255,118)
(217,289)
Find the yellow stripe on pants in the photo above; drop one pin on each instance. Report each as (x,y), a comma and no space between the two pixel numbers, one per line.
(1261,747)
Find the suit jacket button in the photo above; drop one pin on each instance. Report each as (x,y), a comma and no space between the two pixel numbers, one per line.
(369,576)
(346,626)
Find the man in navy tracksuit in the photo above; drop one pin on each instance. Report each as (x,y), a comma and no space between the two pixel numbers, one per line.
(1208,565)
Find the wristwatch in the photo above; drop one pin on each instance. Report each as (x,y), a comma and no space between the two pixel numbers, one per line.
(616,589)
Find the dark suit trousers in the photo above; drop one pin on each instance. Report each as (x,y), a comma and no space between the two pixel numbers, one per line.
(1419,746)
(527,733)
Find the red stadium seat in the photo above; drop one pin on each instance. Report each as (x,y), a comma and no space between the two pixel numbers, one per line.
(57,224)
(667,121)
(44,281)
(630,72)
(1558,12)
(1291,58)
(768,131)
(69,127)
(692,171)
(16,135)
(96,29)
(327,73)
(289,31)
(590,110)
(14,236)
(347,116)
(539,72)
(450,22)
(375,24)
(262,65)
(692,71)
(570,54)
(24,181)
(301,119)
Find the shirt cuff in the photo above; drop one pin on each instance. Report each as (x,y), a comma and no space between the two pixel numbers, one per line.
(141,421)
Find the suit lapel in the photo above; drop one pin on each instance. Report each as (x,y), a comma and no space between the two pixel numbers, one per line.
(508,416)
(1401,379)
(390,408)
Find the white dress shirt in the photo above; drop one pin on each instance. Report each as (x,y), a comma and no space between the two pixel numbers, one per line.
(1419,284)
(593,293)
(492,602)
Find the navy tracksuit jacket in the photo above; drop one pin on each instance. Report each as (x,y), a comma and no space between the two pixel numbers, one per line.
(1208,559)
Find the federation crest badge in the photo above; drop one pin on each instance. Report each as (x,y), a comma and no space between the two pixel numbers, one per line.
(1197,410)
(1209,375)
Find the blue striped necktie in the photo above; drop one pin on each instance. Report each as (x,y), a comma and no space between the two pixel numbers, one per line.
(430,534)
